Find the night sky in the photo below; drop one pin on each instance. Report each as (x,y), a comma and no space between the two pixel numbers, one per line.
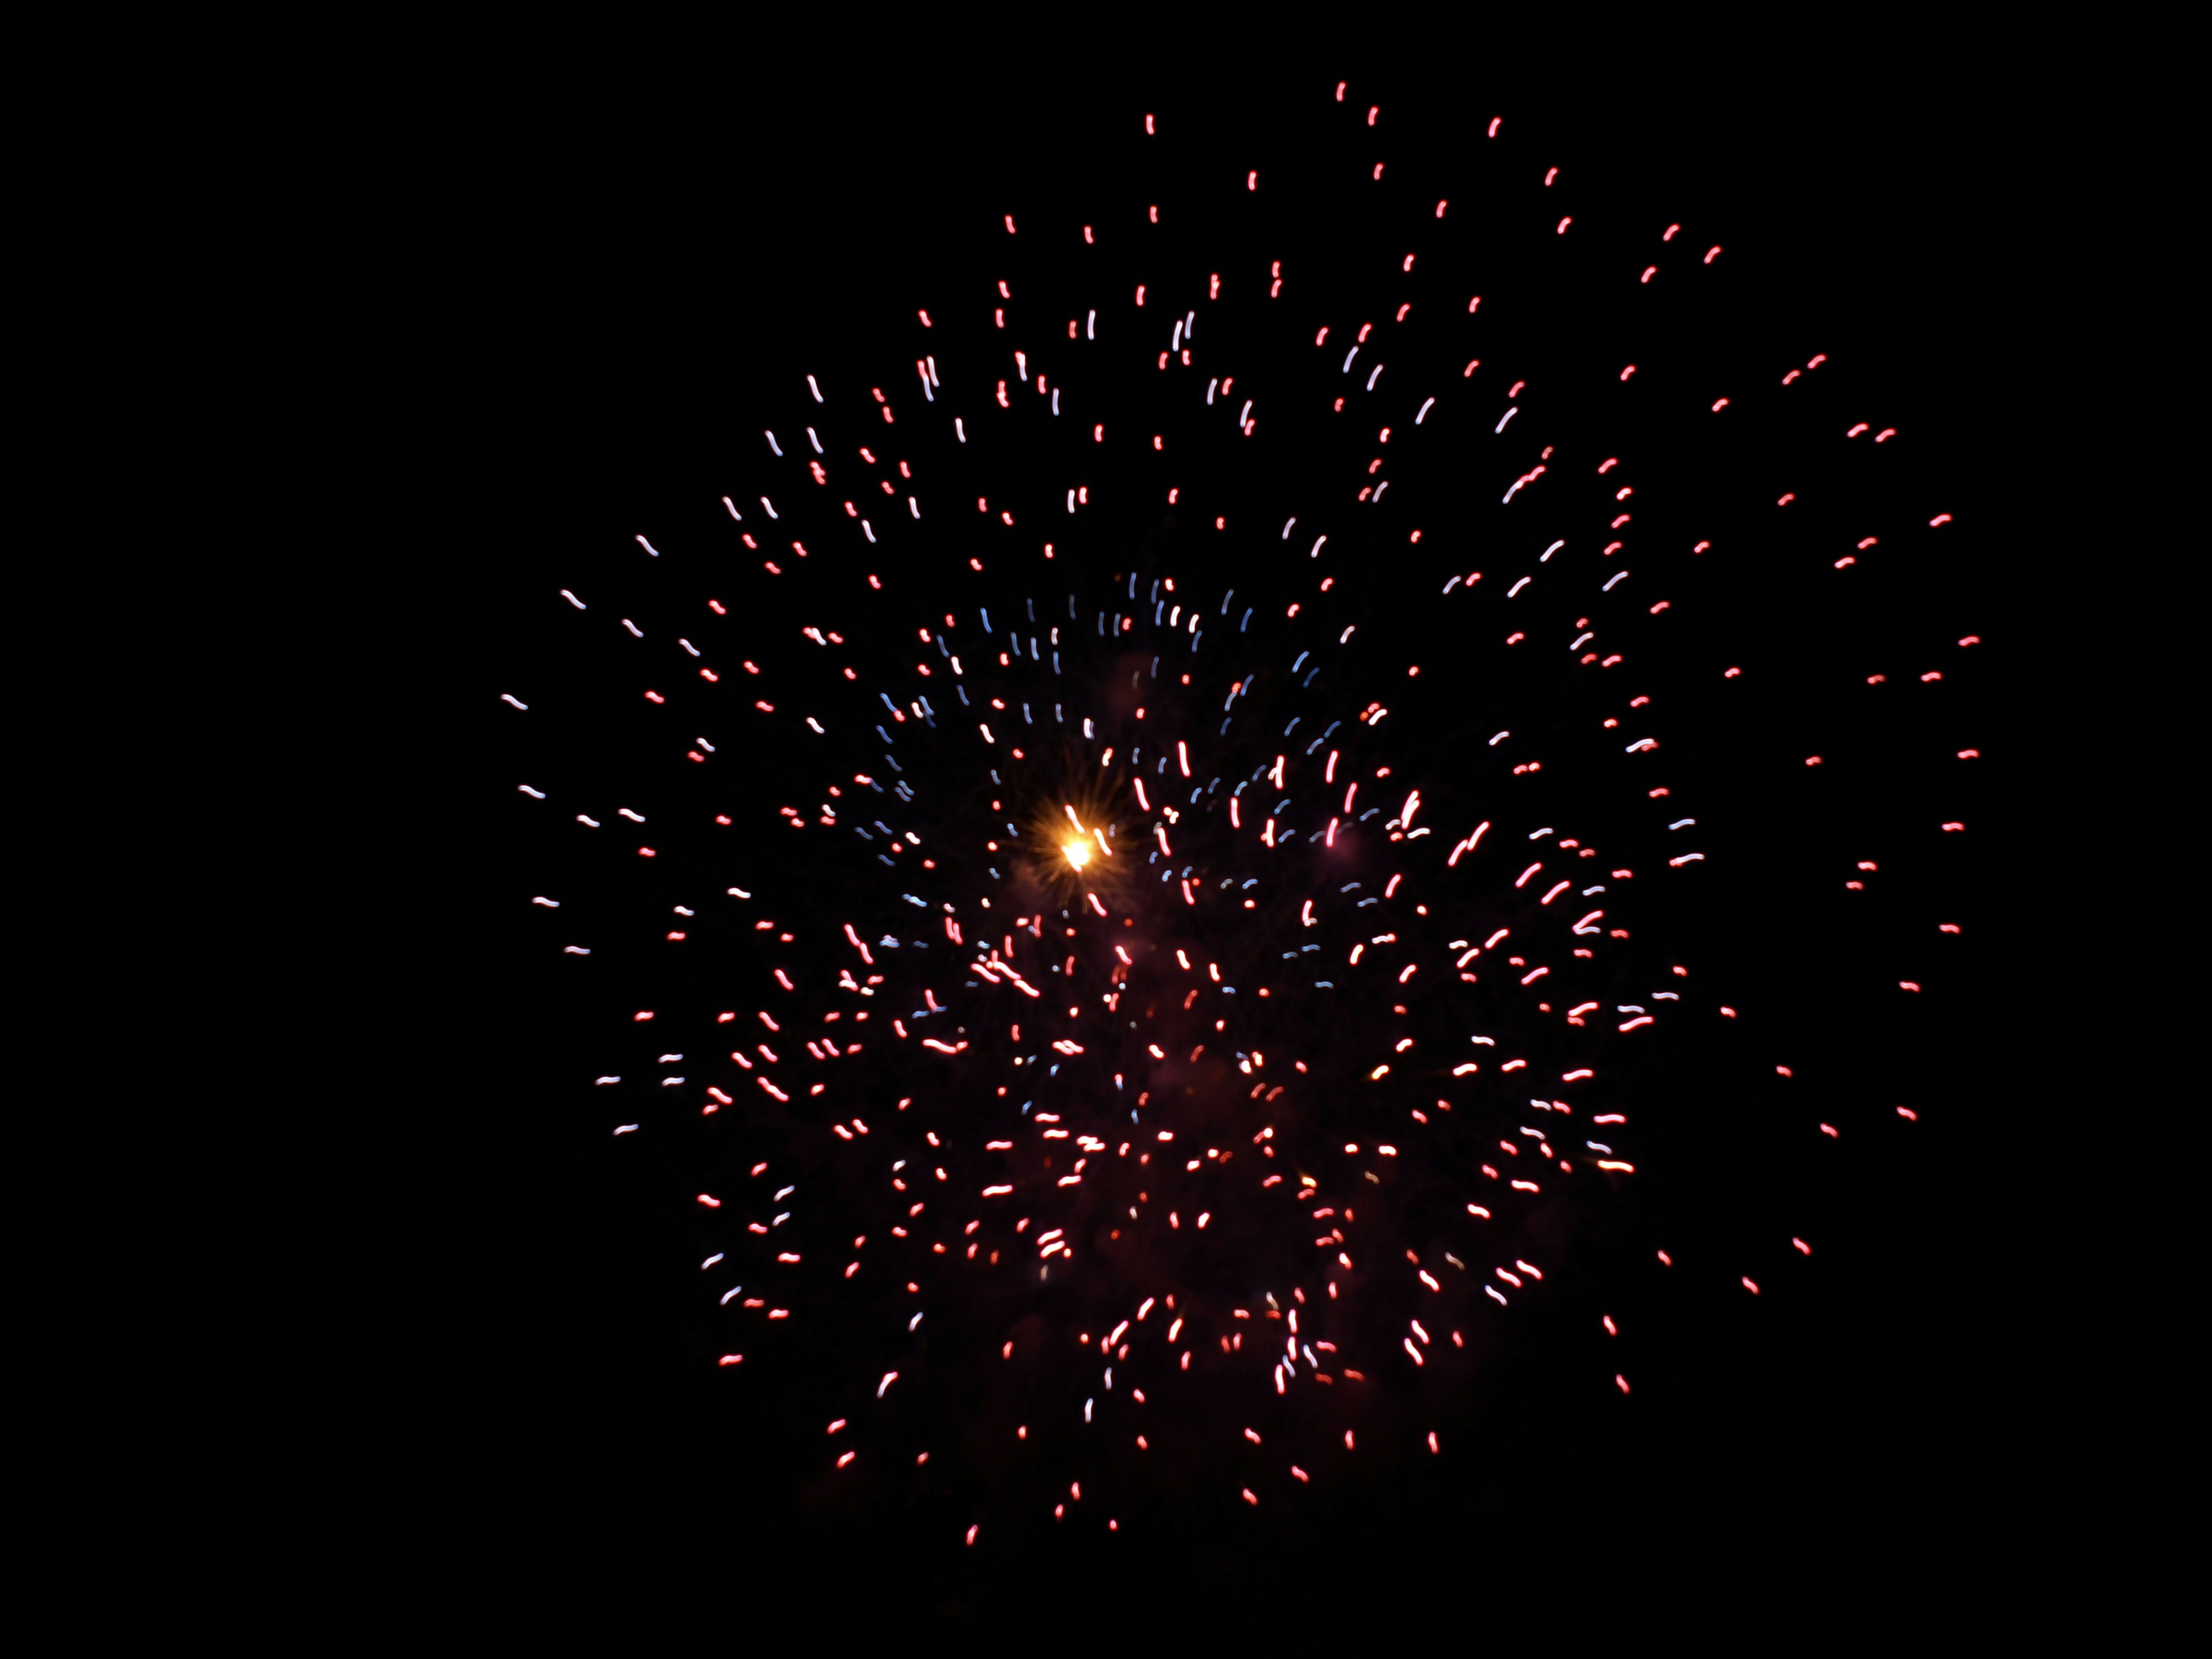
(615,285)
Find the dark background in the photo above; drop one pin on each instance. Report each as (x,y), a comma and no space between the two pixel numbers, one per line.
(593,270)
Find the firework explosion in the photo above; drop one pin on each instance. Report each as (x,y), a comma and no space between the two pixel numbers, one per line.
(1242,690)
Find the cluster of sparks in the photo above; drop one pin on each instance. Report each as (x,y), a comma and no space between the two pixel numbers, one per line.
(1176,1042)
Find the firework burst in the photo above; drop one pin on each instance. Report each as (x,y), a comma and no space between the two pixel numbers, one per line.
(1251,740)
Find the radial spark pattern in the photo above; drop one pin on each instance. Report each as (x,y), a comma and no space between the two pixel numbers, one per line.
(1247,690)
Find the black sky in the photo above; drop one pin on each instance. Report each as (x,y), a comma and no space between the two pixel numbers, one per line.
(602,272)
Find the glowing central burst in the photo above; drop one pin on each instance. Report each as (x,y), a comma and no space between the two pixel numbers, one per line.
(1078,852)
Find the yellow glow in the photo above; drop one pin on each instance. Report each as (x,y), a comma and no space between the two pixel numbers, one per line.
(1078,852)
